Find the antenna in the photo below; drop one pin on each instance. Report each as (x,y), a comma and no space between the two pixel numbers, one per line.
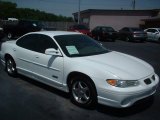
(134,4)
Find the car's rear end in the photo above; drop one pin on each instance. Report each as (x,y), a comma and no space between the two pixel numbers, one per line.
(138,34)
(109,34)
(80,28)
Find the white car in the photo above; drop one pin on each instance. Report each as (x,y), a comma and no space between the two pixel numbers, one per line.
(153,34)
(76,63)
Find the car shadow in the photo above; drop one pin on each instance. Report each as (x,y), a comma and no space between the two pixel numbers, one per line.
(156,42)
(44,86)
(138,107)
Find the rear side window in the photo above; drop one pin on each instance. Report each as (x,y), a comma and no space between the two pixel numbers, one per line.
(36,42)
(28,42)
(152,30)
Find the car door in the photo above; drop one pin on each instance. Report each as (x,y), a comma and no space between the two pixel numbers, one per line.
(47,68)
(151,34)
(155,35)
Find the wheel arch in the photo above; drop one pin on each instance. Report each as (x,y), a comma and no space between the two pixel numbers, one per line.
(7,55)
(76,73)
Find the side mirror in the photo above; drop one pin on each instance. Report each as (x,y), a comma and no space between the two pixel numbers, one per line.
(52,51)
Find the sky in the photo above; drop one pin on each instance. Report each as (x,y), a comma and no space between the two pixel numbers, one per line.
(67,7)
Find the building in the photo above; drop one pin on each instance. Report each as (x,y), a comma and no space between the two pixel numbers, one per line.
(116,18)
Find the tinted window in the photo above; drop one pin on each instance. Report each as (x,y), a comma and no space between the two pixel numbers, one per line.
(96,29)
(79,45)
(28,42)
(45,42)
(125,29)
(36,42)
(107,29)
(152,30)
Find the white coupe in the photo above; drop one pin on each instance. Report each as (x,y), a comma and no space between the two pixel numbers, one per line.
(77,64)
(153,34)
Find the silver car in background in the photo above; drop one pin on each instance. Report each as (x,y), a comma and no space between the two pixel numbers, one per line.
(153,34)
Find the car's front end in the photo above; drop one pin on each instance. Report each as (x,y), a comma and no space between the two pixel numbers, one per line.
(121,79)
(124,93)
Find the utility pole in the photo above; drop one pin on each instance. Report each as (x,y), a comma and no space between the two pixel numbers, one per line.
(79,8)
(134,4)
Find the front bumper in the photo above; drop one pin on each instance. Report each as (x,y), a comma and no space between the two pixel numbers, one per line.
(121,99)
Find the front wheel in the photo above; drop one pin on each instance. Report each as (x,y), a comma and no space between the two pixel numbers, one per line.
(83,92)
(11,67)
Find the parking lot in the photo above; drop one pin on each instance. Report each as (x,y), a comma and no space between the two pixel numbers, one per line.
(22,98)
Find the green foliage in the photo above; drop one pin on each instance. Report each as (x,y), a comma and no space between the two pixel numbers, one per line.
(10,10)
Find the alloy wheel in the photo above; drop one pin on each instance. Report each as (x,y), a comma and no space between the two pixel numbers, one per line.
(81,92)
(10,67)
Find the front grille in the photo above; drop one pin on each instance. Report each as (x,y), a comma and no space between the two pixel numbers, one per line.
(147,81)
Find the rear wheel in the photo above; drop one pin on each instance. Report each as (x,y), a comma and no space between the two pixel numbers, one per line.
(11,67)
(83,92)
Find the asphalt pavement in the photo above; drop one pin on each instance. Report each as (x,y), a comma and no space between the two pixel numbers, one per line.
(22,98)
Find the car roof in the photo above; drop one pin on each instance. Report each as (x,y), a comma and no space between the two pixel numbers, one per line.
(54,33)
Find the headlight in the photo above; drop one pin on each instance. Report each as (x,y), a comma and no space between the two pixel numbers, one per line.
(123,83)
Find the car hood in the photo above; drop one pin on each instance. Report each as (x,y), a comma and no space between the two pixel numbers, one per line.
(121,65)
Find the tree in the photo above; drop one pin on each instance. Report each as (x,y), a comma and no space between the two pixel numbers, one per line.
(10,10)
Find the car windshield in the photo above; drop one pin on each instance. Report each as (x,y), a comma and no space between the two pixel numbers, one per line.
(108,29)
(79,45)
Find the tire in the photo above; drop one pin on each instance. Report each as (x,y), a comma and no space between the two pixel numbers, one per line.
(11,67)
(83,92)
(9,35)
(127,39)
